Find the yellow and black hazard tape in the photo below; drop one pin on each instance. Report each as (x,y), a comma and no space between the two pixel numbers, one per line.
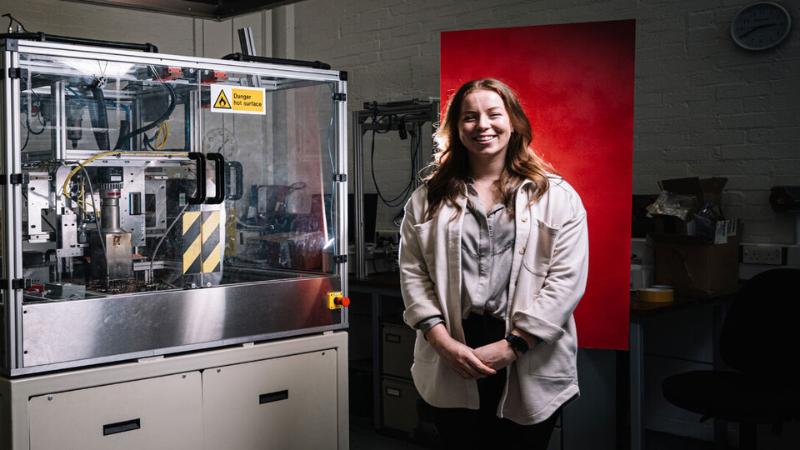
(212,246)
(202,249)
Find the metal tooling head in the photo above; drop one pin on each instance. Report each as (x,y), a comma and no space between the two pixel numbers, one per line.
(111,259)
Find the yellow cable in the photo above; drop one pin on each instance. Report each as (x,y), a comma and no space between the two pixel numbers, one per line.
(159,135)
(163,134)
(111,153)
(82,197)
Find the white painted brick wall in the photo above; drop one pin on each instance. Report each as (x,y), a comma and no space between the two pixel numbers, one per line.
(703,107)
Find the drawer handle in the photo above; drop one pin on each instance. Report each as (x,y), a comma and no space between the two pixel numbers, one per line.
(121,427)
(393,338)
(273,397)
(392,392)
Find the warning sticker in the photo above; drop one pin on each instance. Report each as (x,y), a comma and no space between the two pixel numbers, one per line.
(222,101)
(237,100)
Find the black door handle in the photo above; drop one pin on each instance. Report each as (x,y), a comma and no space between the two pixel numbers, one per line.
(236,180)
(219,173)
(200,177)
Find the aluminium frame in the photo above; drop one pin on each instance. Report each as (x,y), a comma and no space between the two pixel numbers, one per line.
(20,359)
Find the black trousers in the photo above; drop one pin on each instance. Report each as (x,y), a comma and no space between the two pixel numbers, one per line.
(464,429)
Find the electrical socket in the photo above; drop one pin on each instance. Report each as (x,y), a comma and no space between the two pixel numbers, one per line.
(774,255)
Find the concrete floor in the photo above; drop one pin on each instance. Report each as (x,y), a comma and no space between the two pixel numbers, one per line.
(365,438)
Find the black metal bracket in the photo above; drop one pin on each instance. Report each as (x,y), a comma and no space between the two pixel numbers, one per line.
(12,45)
(43,37)
(340,178)
(17,283)
(270,60)
(14,73)
(339,96)
(15,178)
(339,259)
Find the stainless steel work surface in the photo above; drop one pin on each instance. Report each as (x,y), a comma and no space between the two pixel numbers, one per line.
(83,330)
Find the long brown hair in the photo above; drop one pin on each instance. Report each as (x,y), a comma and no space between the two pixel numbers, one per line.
(450,170)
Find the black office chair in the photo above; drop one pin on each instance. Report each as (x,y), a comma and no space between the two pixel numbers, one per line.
(759,341)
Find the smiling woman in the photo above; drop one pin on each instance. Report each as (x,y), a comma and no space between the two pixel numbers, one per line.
(493,260)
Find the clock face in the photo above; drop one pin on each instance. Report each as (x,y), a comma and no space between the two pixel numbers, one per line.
(760,26)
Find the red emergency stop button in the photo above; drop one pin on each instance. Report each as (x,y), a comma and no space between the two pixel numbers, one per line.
(337,300)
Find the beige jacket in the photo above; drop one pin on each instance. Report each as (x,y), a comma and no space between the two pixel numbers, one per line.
(548,278)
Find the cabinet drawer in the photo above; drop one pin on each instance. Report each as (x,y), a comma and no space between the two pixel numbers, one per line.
(398,349)
(399,405)
(282,404)
(157,413)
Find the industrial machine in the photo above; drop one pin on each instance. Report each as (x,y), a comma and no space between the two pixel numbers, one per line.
(162,207)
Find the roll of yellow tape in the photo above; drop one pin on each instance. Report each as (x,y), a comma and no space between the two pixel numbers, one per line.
(657,294)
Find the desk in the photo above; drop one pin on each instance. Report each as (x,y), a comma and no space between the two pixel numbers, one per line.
(641,311)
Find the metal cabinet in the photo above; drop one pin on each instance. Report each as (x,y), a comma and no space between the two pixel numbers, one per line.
(289,394)
(398,349)
(282,404)
(400,399)
(158,413)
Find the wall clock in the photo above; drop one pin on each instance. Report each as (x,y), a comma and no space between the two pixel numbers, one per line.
(761,26)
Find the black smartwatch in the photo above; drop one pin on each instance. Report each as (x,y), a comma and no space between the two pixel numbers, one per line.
(518,344)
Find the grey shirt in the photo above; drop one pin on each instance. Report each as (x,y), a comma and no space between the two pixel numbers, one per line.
(487,242)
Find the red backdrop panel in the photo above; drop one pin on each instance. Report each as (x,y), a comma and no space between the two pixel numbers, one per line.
(576,84)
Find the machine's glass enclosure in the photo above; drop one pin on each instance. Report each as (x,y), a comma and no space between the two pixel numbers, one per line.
(147,174)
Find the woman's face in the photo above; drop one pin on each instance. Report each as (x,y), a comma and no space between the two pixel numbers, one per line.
(484,126)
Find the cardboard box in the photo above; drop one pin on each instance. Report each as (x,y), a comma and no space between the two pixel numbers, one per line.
(696,269)
(680,212)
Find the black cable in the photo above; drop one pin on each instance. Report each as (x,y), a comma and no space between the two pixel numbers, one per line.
(98,113)
(386,202)
(398,218)
(173,100)
(414,147)
(42,121)
(27,137)
(12,20)
(146,139)
(28,124)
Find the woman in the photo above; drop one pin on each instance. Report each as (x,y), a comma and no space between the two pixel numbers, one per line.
(493,260)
